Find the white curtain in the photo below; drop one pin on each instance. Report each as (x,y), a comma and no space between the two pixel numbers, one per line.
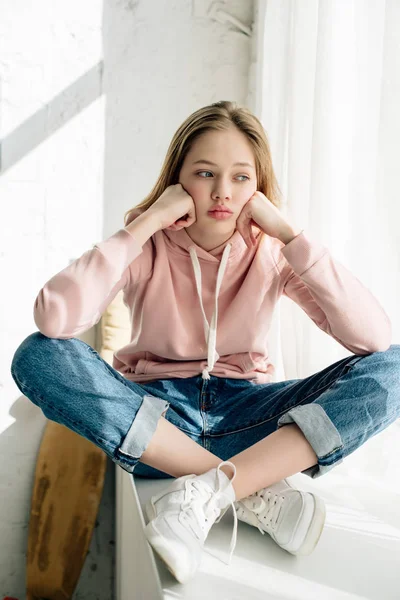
(327,89)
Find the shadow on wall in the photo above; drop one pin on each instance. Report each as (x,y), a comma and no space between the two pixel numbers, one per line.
(54,115)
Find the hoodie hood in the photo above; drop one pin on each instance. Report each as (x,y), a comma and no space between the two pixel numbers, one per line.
(181,242)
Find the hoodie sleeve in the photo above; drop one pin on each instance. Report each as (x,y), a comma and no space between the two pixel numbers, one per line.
(334,298)
(74,299)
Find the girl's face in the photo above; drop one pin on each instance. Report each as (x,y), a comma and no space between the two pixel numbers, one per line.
(211,177)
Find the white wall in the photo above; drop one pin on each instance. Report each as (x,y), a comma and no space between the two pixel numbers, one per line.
(167,63)
(90,94)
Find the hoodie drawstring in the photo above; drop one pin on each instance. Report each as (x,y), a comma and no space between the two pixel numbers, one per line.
(210,330)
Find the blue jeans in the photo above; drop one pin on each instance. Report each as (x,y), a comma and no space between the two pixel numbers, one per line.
(338,409)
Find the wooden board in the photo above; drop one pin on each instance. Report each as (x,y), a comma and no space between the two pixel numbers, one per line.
(68,485)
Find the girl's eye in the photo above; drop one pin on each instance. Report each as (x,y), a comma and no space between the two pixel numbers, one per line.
(245,176)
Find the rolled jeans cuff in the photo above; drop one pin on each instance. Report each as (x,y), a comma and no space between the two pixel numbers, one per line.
(321,433)
(140,433)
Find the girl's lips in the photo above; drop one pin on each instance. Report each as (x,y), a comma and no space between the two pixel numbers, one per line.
(219,214)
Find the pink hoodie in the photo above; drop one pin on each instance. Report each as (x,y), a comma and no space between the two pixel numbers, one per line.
(194,311)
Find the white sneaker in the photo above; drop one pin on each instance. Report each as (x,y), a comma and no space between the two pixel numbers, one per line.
(181,517)
(294,519)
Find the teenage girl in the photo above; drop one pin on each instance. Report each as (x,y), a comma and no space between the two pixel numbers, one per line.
(202,262)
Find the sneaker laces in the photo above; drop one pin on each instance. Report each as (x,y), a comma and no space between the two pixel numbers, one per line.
(265,505)
(203,501)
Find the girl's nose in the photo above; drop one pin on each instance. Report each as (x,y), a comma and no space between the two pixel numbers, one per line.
(221,191)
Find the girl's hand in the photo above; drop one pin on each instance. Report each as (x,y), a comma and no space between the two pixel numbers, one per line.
(260,212)
(174,209)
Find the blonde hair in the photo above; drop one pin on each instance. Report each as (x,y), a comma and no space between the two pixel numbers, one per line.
(218,116)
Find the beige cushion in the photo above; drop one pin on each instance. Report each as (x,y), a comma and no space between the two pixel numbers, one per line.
(114,328)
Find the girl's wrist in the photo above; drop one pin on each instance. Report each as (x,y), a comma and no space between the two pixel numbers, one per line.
(289,234)
(143,227)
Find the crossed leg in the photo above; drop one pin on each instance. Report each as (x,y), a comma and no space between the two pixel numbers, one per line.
(372,387)
(279,455)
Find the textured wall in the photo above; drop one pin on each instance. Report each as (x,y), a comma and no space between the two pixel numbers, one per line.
(90,94)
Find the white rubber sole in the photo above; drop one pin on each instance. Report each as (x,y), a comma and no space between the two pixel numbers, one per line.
(170,555)
(312,536)
(315,530)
